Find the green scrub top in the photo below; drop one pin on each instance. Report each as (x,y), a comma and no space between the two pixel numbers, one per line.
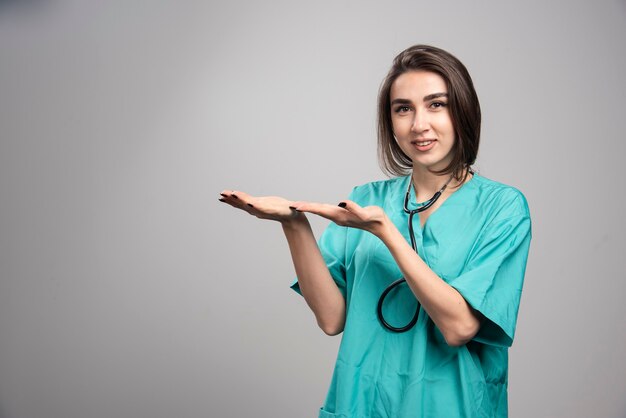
(477,241)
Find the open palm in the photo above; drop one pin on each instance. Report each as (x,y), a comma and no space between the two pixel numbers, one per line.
(347,213)
(274,208)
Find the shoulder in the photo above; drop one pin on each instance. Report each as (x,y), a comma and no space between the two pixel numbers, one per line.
(502,199)
(379,189)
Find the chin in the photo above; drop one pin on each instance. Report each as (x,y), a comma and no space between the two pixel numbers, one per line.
(429,164)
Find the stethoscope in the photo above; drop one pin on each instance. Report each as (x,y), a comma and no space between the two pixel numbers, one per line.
(421,207)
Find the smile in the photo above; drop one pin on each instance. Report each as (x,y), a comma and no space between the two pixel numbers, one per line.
(424,145)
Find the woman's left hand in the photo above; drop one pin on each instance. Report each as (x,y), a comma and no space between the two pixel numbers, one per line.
(347,213)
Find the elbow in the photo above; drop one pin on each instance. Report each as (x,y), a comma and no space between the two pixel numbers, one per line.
(456,341)
(332,331)
(331,328)
(461,334)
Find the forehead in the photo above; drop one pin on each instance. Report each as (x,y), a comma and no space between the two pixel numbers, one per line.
(417,84)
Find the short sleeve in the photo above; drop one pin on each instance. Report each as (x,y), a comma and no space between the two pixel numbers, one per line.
(492,280)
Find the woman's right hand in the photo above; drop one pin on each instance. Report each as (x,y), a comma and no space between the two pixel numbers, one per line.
(316,284)
(264,207)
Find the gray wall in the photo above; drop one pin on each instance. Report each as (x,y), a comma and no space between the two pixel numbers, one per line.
(128,290)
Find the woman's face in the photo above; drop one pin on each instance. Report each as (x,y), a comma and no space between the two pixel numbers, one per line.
(421,119)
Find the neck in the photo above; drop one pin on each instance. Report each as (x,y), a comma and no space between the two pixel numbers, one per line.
(427,184)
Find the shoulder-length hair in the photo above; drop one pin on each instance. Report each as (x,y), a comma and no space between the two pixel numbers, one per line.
(463,106)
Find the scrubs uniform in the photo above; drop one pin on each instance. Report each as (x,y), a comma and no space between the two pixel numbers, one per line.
(477,241)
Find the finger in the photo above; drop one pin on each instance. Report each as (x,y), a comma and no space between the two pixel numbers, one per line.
(298,204)
(237,204)
(226,192)
(237,199)
(224,195)
(332,212)
(350,206)
(311,207)
(238,194)
(235,196)
(228,196)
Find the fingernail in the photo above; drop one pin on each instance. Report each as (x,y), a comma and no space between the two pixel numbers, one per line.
(292,207)
(249,204)
(342,204)
(234,196)
(220,199)
(222,194)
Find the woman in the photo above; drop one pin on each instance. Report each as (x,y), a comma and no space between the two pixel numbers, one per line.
(436,344)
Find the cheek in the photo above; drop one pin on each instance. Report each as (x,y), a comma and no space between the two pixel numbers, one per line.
(394,124)
(449,125)
(398,125)
(446,128)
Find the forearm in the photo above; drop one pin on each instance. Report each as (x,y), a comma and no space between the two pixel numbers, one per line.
(316,284)
(456,320)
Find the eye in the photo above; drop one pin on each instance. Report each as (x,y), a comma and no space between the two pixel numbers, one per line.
(402,109)
(438,105)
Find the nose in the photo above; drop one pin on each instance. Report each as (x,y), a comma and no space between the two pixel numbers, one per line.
(420,121)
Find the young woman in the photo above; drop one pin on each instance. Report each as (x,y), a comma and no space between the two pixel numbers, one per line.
(423,272)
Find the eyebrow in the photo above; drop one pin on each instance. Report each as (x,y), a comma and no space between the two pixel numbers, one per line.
(426,98)
(435,96)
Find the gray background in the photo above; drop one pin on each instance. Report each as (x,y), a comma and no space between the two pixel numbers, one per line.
(128,290)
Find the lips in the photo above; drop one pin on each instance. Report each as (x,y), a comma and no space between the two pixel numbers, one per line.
(423,144)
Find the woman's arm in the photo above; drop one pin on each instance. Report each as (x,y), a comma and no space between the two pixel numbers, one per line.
(456,320)
(316,284)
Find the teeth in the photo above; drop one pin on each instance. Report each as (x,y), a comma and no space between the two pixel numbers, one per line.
(422,144)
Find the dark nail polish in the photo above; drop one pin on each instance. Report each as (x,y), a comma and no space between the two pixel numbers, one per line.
(234,196)
(220,199)
(342,205)
(223,195)
(249,204)
(292,208)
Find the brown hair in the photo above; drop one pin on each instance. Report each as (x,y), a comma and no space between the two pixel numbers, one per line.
(462,103)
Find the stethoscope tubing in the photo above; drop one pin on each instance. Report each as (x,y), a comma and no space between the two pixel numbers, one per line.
(381,300)
(411,212)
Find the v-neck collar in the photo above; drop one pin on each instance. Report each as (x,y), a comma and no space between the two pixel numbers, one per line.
(412,198)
